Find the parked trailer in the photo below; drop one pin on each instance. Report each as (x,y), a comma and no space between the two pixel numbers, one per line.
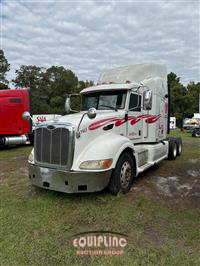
(120,132)
(172,122)
(41,118)
(13,128)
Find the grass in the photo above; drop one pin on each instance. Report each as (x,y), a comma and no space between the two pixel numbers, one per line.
(184,135)
(191,147)
(11,152)
(36,224)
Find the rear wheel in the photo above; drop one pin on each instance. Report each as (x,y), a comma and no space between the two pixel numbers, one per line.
(179,146)
(172,153)
(122,176)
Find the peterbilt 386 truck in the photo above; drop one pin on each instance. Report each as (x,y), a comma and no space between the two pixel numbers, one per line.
(120,131)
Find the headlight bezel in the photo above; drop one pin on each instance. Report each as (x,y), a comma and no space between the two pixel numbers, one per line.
(96,164)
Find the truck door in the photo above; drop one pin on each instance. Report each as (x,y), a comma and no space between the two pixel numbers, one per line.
(135,121)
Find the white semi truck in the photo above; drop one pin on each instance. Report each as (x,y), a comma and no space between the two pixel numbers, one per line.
(120,131)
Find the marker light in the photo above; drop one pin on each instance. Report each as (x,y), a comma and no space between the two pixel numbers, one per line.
(97,164)
(30,158)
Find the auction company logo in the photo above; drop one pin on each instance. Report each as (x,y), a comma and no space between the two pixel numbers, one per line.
(100,245)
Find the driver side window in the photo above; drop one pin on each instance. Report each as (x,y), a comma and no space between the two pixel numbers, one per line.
(135,103)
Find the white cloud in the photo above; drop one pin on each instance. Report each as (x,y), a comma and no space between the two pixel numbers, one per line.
(90,36)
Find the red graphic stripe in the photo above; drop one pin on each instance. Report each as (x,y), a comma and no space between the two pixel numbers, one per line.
(101,123)
(150,119)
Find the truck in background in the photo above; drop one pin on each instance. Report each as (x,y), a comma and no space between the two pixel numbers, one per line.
(120,132)
(192,125)
(13,128)
(196,130)
(172,122)
(41,118)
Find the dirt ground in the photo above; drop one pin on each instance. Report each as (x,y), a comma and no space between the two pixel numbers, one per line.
(177,180)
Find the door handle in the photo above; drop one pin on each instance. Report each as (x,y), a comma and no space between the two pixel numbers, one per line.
(108,127)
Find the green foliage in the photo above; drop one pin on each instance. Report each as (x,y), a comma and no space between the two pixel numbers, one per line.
(59,82)
(4,68)
(32,78)
(193,97)
(3,86)
(48,87)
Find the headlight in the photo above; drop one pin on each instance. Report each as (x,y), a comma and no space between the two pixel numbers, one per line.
(30,158)
(94,165)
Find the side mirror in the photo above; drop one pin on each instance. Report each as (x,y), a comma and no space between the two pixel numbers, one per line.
(67,105)
(26,116)
(147,100)
(92,113)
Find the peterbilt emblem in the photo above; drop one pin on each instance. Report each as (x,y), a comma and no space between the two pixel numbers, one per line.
(51,127)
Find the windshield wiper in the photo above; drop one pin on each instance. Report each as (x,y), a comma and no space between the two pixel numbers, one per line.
(108,106)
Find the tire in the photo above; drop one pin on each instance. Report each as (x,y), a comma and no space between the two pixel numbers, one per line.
(172,149)
(196,133)
(122,176)
(179,146)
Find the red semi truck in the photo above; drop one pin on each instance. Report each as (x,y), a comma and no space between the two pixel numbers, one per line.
(13,128)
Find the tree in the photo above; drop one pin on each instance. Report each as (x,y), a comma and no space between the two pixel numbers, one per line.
(194,94)
(48,87)
(4,68)
(184,101)
(59,82)
(32,78)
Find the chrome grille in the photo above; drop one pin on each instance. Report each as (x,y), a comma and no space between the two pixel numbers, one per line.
(54,145)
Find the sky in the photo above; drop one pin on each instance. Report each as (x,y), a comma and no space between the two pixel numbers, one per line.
(89,37)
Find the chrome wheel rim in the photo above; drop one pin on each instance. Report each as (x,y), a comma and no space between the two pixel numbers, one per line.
(125,174)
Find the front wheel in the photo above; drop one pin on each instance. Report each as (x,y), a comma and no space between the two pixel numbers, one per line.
(122,176)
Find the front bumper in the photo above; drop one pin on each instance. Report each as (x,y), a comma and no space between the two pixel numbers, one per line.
(68,181)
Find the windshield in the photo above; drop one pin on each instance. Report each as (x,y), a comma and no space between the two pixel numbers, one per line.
(104,100)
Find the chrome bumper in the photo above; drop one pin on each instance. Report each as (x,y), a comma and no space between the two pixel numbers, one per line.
(68,181)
